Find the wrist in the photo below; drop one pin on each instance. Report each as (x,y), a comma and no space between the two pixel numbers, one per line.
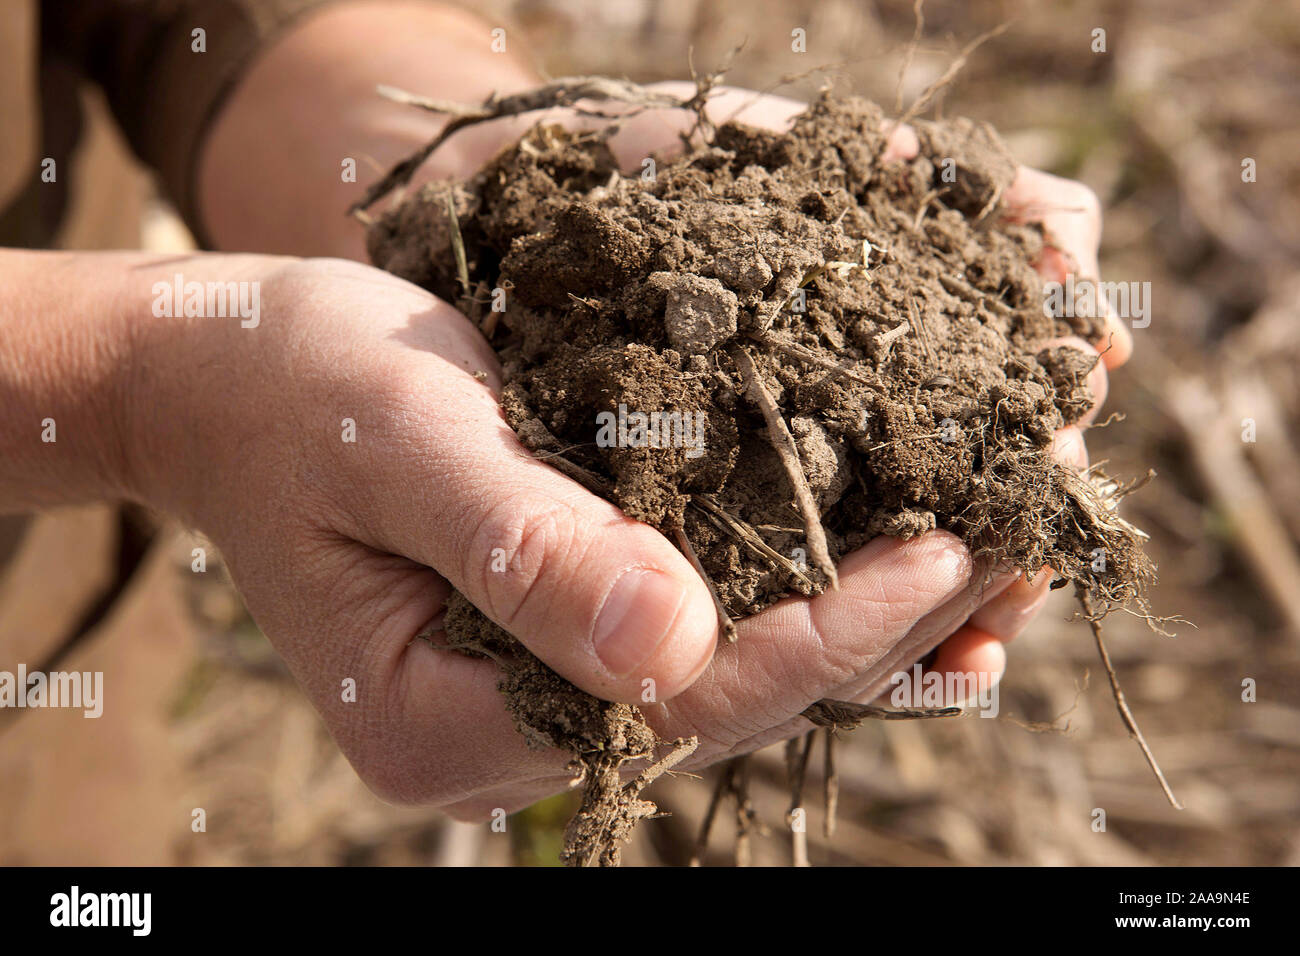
(64,369)
(196,324)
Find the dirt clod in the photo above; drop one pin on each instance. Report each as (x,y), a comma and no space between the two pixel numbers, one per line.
(890,313)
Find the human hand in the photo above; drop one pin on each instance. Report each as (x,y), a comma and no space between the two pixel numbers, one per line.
(791,655)
(346,550)
(912,595)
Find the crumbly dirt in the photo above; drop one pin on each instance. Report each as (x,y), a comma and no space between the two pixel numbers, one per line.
(892,313)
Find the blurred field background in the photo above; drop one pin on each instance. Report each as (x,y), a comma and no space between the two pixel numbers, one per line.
(202,714)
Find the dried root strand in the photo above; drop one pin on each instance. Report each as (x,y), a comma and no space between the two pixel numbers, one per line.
(779,435)
(610,808)
(920,104)
(846,715)
(746,819)
(563,92)
(1121,703)
(831,783)
(797,752)
(796,351)
(720,788)
(725,623)
(748,536)
(733,781)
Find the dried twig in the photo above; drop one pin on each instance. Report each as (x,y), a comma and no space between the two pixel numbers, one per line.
(885,340)
(779,435)
(567,91)
(725,623)
(720,787)
(683,747)
(1130,722)
(1258,531)
(831,784)
(794,350)
(746,818)
(845,715)
(457,243)
(921,102)
(922,333)
(909,53)
(797,751)
(748,536)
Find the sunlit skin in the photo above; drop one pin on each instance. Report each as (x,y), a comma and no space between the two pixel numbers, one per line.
(346,551)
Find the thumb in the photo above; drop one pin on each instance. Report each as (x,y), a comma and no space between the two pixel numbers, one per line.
(605,601)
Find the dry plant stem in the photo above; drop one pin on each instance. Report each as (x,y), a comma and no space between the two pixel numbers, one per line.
(725,623)
(565,91)
(845,715)
(812,358)
(921,102)
(561,92)
(734,782)
(615,807)
(1130,723)
(1257,529)
(832,783)
(797,751)
(715,513)
(973,295)
(779,434)
(458,245)
(909,53)
(546,447)
(885,341)
(683,747)
(720,787)
(746,819)
(921,332)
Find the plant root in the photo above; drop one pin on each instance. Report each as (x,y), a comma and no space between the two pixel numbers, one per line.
(725,624)
(779,434)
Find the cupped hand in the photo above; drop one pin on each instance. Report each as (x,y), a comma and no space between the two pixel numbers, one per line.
(349,458)
(898,599)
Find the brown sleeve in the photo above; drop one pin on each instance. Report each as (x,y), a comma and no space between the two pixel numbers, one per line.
(144,55)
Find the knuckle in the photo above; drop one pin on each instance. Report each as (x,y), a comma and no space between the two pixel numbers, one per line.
(517,545)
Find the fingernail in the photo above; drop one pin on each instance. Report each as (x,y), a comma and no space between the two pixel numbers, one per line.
(635,619)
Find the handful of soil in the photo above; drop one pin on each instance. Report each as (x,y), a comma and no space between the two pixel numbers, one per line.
(772,350)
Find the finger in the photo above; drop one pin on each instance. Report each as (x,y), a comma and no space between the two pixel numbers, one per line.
(971,651)
(802,649)
(441,478)
(1007,616)
(901,144)
(663,127)
(1070,214)
(1069,448)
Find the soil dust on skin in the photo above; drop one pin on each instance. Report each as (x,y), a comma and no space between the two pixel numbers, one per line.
(891,315)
